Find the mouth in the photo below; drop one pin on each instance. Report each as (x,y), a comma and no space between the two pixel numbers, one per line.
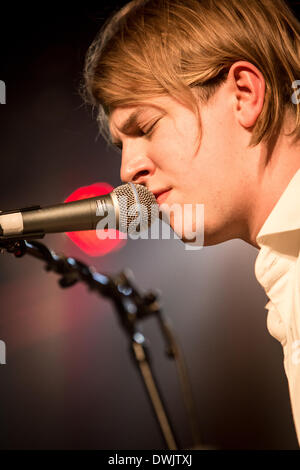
(161,195)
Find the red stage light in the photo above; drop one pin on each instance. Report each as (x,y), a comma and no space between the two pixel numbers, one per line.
(87,240)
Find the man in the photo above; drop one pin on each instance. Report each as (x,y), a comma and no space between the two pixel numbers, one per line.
(202,96)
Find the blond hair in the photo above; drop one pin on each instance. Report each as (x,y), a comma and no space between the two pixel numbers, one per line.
(156,47)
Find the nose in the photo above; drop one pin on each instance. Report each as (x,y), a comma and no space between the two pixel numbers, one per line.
(136,167)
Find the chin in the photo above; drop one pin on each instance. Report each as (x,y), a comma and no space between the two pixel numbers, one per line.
(195,229)
(189,233)
(203,235)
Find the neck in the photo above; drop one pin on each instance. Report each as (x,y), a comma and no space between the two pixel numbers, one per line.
(275,169)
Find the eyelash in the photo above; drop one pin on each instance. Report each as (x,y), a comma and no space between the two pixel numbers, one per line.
(144,134)
(149,131)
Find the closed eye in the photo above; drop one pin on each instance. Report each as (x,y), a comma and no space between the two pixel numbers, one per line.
(149,131)
(140,132)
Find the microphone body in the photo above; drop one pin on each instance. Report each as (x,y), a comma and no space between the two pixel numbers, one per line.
(84,214)
(64,217)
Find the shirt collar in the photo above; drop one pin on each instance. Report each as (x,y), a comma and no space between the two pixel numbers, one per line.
(279,241)
(285,216)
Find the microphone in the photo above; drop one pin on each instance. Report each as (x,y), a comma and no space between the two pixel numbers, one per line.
(122,209)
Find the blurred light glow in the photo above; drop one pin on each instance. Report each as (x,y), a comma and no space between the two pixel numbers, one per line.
(87,240)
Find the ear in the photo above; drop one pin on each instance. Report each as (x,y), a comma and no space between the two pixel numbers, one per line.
(248,85)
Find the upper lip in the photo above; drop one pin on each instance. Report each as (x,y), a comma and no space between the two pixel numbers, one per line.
(158,192)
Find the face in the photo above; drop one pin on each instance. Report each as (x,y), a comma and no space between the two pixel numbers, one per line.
(161,149)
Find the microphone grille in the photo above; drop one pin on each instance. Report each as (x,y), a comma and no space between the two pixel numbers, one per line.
(136,204)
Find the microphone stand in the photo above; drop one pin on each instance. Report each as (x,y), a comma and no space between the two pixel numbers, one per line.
(132,307)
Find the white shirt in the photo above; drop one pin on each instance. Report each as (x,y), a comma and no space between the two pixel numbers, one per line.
(277,269)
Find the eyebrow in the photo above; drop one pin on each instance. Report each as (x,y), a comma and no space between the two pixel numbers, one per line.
(131,121)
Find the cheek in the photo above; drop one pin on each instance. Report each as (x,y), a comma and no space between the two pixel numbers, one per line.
(217,157)
(174,154)
(176,137)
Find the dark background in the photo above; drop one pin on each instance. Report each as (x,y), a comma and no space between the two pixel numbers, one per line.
(69,382)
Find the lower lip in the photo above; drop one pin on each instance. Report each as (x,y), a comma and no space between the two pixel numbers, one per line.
(162,197)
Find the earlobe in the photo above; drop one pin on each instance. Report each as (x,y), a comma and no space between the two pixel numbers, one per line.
(249,90)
